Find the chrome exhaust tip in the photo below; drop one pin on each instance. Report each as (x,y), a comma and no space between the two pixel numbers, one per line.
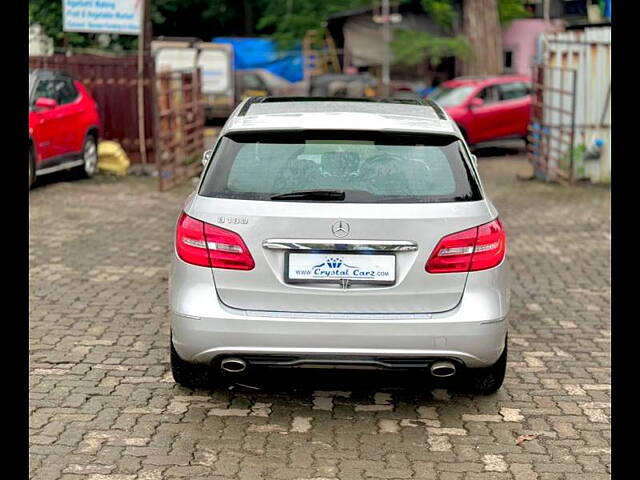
(443,369)
(233,365)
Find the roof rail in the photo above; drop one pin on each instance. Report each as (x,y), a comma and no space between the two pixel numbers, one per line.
(408,101)
(416,102)
(250,101)
(437,108)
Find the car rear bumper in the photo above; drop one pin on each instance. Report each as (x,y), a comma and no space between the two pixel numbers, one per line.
(203,328)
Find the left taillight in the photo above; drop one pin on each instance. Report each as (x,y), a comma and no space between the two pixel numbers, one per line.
(200,243)
(477,248)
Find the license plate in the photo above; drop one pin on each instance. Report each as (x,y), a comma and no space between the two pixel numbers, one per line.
(335,267)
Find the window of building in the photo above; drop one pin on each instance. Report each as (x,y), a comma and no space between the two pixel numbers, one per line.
(508,58)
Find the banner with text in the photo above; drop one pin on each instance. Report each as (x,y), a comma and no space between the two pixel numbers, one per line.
(96,16)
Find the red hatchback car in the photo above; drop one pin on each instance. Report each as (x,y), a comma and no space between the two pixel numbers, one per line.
(63,125)
(487,108)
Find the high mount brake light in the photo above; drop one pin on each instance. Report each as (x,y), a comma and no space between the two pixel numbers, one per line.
(199,243)
(477,248)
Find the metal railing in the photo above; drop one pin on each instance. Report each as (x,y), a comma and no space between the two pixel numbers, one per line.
(551,136)
(179,134)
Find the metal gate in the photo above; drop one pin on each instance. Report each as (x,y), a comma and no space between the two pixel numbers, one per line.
(179,127)
(571,117)
(552,127)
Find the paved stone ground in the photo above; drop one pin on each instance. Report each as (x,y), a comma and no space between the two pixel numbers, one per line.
(104,405)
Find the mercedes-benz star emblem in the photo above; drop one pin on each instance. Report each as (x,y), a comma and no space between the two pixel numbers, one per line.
(340,228)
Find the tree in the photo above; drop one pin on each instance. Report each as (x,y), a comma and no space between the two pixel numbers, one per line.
(478,47)
(412,48)
(481,27)
(509,10)
(289,20)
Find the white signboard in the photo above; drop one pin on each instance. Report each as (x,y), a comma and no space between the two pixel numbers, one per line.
(216,70)
(175,59)
(102,16)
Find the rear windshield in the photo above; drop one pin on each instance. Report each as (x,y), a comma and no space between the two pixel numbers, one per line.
(368,168)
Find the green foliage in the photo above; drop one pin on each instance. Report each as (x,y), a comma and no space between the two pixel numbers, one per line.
(510,10)
(286,21)
(289,20)
(411,48)
(198,18)
(442,11)
(48,13)
(564,162)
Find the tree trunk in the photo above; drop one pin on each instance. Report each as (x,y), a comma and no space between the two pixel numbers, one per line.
(481,26)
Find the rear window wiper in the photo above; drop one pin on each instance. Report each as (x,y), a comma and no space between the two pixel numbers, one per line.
(311,195)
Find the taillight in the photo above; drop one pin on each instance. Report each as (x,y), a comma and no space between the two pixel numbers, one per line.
(191,245)
(491,246)
(477,248)
(199,243)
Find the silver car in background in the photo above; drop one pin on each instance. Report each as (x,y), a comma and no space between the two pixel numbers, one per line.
(342,233)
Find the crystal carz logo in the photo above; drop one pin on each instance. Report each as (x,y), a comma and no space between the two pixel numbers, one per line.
(335,267)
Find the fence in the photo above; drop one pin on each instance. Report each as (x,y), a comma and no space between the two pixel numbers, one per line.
(552,127)
(113,83)
(588,54)
(179,127)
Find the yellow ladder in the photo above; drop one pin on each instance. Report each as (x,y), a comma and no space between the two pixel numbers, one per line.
(320,54)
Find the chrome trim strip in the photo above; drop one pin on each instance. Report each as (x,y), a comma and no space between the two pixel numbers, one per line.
(348,245)
(62,166)
(350,317)
(211,353)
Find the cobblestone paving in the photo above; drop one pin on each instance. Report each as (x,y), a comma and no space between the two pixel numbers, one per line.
(104,405)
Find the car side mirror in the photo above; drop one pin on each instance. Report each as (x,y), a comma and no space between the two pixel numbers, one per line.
(474,159)
(476,102)
(46,103)
(206,156)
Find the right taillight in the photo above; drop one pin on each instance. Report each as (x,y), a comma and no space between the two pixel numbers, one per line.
(200,243)
(477,248)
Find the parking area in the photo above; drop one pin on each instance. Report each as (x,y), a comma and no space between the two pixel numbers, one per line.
(103,404)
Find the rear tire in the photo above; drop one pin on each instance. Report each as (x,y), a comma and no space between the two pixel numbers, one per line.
(90,157)
(488,380)
(190,375)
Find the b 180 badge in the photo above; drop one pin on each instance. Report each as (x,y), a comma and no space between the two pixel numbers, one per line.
(233,220)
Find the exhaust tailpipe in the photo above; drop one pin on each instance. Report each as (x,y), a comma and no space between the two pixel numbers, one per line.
(233,365)
(443,369)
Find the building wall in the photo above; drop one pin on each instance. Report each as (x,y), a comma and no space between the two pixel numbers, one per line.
(520,38)
(362,44)
(588,52)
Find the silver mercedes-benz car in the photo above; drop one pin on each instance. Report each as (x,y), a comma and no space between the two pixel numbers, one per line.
(340,233)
